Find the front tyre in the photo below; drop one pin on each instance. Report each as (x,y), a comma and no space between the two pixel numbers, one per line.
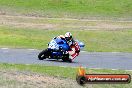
(42,54)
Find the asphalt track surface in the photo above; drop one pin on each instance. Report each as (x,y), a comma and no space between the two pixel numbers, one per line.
(105,60)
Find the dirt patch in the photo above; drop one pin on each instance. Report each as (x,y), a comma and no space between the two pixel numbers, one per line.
(63,23)
(34,80)
(24,22)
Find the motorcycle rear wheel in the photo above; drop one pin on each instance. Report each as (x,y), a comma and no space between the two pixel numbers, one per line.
(70,60)
(64,59)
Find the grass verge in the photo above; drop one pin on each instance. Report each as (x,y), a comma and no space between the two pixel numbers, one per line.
(95,41)
(70,8)
(66,72)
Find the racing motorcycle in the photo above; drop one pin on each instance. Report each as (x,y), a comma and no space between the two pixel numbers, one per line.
(57,49)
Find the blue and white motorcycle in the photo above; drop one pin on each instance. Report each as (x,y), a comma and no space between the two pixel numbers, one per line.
(57,48)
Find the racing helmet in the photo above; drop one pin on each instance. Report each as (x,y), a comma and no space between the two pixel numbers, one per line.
(68,36)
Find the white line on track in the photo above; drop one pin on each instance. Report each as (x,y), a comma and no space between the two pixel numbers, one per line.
(96,68)
(115,52)
(9,48)
(114,69)
(63,66)
(4,48)
(128,70)
(32,49)
(83,51)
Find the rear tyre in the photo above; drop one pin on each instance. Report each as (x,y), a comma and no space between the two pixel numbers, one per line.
(70,60)
(42,54)
(64,59)
(67,60)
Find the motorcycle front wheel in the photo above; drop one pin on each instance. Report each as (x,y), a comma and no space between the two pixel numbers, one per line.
(42,54)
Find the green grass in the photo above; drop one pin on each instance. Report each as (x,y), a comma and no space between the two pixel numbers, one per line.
(48,70)
(66,72)
(69,8)
(95,41)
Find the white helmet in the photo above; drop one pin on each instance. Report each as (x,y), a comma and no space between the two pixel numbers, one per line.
(68,36)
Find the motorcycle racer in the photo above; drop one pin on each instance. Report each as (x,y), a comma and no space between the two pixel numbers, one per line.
(75,49)
(63,47)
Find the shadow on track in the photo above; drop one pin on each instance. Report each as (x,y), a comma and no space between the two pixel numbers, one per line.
(60,61)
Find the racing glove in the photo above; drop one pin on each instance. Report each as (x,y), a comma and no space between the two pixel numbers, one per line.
(65,52)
